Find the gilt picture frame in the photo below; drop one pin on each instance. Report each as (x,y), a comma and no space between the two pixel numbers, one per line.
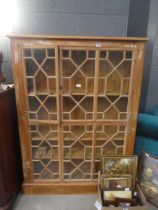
(115,181)
(111,195)
(123,164)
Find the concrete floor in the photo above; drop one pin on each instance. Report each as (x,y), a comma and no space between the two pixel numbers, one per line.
(55,202)
(58,202)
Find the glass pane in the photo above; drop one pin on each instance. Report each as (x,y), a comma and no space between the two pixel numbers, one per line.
(88,68)
(49,67)
(113,84)
(68,68)
(116,57)
(39,55)
(41,82)
(51,52)
(104,68)
(31,67)
(125,69)
(78,56)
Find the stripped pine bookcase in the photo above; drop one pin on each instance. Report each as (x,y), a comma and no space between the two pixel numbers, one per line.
(77,100)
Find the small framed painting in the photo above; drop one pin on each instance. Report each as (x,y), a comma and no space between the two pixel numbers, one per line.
(115,181)
(123,164)
(111,195)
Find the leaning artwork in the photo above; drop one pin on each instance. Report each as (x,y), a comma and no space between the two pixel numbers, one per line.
(148,177)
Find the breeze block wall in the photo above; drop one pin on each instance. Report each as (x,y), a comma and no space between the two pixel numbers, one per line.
(67,17)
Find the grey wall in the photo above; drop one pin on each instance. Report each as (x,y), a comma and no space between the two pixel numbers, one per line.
(68,17)
(152,92)
(6,65)
(138,17)
(138,26)
(143,21)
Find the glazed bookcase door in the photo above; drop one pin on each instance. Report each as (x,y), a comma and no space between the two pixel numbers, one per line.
(95,88)
(42,98)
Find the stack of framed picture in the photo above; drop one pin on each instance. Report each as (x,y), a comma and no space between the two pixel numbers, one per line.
(117,183)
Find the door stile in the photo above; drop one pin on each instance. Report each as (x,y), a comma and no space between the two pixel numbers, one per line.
(59,107)
(24,119)
(128,128)
(137,70)
(95,112)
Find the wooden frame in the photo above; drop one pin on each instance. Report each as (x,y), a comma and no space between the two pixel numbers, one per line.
(120,164)
(115,181)
(80,101)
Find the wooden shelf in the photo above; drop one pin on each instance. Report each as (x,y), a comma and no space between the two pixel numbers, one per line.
(50,137)
(113,94)
(78,94)
(43,122)
(41,93)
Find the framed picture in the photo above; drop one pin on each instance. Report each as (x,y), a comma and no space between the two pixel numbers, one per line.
(111,195)
(148,177)
(115,181)
(126,164)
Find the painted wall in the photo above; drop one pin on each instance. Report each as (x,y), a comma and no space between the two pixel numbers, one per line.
(138,26)
(67,17)
(152,91)
(143,21)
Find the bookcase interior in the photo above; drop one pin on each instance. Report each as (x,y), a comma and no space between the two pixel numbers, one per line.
(81,99)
